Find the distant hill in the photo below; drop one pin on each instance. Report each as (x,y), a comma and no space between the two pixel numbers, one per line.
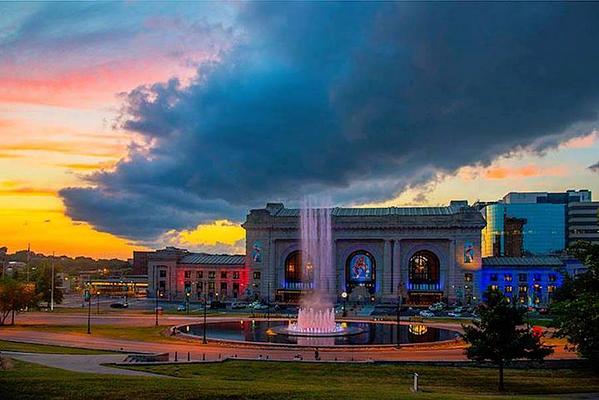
(70,265)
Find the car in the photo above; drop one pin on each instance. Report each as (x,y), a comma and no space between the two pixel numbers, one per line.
(119,305)
(238,304)
(437,306)
(454,314)
(458,309)
(256,305)
(181,307)
(426,314)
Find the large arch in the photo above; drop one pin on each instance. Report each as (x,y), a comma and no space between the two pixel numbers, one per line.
(360,272)
(424,268)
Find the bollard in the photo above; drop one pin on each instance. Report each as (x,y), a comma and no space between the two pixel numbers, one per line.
(415,387)
(176,356)
(188,356)
(204,357)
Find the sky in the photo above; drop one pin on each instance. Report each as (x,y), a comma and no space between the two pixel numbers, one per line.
(135,125)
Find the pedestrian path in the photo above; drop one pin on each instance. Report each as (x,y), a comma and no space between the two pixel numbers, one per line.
(79,363)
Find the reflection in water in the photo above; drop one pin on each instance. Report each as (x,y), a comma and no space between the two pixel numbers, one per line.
(371,333)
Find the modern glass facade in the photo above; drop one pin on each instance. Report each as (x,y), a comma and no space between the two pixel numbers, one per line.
(544,230)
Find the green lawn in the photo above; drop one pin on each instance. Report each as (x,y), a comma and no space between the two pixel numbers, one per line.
(41,348)
(150,333)
(270,380)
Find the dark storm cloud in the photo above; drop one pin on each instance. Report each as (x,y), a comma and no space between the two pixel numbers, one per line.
(359,100)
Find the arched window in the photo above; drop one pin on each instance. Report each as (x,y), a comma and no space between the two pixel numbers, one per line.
(293,267)
(360,267)
(424,267)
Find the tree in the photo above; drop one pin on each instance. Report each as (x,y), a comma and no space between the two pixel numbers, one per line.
(43,280)
(500,337)
(575,306)
(14,297)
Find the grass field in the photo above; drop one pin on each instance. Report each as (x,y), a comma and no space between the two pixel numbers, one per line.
(153,334)
(41,348)
(261,380)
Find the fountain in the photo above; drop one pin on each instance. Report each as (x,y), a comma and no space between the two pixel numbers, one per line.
(316,316)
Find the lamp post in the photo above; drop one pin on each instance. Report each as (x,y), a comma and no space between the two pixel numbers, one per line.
(398,314)
(88,298)
(98,302)
(344,297)
(204,341)
(156,306)
(268,306)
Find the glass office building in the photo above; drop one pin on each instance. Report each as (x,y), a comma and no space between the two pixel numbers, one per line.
(520,229)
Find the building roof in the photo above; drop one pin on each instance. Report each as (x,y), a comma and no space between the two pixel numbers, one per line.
(523,261)
(213,259)
(376,212)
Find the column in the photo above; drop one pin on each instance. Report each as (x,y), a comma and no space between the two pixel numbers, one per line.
(270,271)
(387,266)
(397,270)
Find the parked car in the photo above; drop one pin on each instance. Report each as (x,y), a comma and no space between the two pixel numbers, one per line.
(437,306)
(256,305)
(238,304)
(181,307)
(426,314)
(454,314)
(119,305)
(458,309)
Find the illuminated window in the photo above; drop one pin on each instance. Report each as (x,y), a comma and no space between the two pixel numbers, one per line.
(507,277)
(187,274)
(257,275)
(236,275)
(468,277)
(200,275)
(424,267)
(523,288)
(293,267)
(509,289)
(551,288)
(494,288)
(211,274)
(211,286)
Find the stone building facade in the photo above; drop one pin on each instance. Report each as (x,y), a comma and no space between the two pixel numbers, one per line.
(426,254)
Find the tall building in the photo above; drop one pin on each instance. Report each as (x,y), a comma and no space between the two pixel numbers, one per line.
(583,222)
(530,223)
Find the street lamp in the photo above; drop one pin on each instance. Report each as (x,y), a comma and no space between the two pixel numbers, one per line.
(98,302)
(88,297)
(344,297)
(204,286)
(398,314)
(156,306)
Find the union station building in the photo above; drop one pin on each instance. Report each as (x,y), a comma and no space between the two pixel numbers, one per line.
(424,254)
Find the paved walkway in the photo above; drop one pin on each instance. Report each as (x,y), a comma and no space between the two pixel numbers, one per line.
(79,363)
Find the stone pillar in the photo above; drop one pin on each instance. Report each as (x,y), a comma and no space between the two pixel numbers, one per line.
(450,280)
(387,269)
(270,271)
(397,270)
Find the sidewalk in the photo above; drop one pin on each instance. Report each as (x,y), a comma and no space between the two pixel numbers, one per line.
(79,363)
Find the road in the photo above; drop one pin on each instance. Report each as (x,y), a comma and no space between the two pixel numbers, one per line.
(215,350)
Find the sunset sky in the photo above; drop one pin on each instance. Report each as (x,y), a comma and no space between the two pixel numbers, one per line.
(137,125)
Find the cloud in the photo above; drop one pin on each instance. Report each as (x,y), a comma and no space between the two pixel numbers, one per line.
(359,100)
(83,54)
(594,167)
